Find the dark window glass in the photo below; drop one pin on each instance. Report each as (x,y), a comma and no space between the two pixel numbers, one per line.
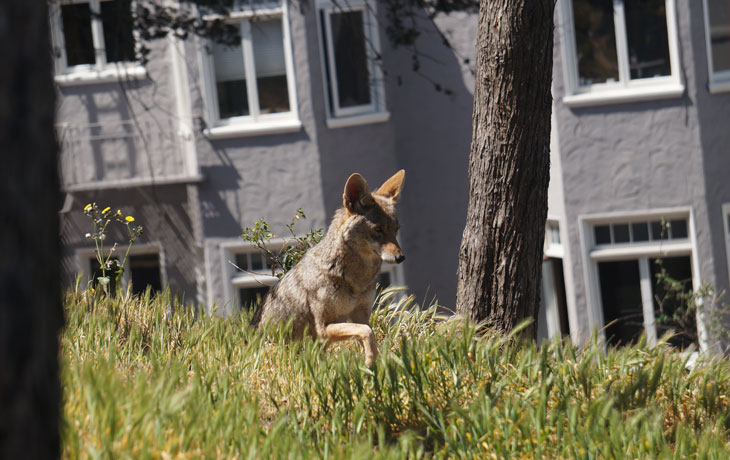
(351,66)
(670,309)
(679,229)
(257,262)
(76,19)
(230,80)
(640,231)
(271,81)
(145,272)
(603,234)
(657,231)
(116,18)
(718,12)
(595,41)
(621,233)
(242,261)
(250,298)
(646,32)
(384,280)
(621,300)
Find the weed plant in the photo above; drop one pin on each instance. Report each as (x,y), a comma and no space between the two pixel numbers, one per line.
(142,383)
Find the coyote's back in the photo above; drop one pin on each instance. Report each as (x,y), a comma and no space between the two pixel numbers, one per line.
(330,292)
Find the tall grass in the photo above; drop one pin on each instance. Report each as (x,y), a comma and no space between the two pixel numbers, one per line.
(140,383)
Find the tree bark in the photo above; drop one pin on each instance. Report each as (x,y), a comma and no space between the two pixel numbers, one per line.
(502,245)
(30,300)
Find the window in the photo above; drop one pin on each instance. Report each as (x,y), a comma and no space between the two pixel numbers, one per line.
(636,232)
(618,50)
(717,29)
(553,315)
(350,51)
(629,261)
(250,85)
(93,39)
(142,272)
(251,276)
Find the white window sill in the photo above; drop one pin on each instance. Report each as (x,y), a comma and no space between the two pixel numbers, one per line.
(108,75)
(624,95)
(253,129)
(132,183)
(719,86)
(355,120)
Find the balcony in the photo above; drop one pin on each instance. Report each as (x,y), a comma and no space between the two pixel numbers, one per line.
(126,154)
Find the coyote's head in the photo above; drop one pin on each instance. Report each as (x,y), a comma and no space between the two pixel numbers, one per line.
(373,224)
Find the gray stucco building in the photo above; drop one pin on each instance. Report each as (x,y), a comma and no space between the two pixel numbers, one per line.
(206,138)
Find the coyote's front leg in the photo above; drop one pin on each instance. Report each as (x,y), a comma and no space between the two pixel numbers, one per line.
(336,332)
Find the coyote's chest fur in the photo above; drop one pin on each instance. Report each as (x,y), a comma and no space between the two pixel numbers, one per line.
(333,286)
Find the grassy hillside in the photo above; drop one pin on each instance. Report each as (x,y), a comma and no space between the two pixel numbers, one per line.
(142,384)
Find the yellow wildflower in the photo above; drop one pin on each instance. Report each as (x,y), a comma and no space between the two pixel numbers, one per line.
(129,219)
(87,207)
(119,212)
(106,210)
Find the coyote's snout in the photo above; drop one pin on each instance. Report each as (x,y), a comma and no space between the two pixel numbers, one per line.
(331,290)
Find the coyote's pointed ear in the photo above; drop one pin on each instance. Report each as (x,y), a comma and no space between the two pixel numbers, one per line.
(392,187)
(357,195)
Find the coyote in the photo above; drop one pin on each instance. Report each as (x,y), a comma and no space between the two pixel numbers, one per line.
(329,293)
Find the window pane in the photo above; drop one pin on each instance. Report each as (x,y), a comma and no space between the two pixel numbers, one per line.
(251,297)
(718,12)
(679,228)
(657,232)
(230,80)
(351,66)
(670,306)
(595,41)
(116,17)
(621,233)
(76,20)
(384,280)
(621,300)
(268,50)
(145,272)
(646,32)
(242,261)
(257,263)
(640,231)
(603,234)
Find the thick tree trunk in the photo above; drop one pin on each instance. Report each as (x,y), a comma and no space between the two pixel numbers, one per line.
(30,299)
(502,244)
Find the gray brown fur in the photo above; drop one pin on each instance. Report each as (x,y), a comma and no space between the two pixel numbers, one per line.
(330,292)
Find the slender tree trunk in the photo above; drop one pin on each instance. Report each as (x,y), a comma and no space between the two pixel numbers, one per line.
(501,249)
(30,300)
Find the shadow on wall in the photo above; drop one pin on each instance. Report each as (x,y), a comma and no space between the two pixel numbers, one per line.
(104,138)
(432,141)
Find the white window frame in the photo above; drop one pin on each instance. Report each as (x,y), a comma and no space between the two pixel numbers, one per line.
(375,112)
(720,80)
(641,252)
(551,250)
(624,90)
(84,255)
(100,71)
(255,123)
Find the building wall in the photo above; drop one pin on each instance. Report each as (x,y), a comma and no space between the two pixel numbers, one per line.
(641,156)
(164,215)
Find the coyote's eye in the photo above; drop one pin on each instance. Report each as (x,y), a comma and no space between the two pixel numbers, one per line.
(379,230)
